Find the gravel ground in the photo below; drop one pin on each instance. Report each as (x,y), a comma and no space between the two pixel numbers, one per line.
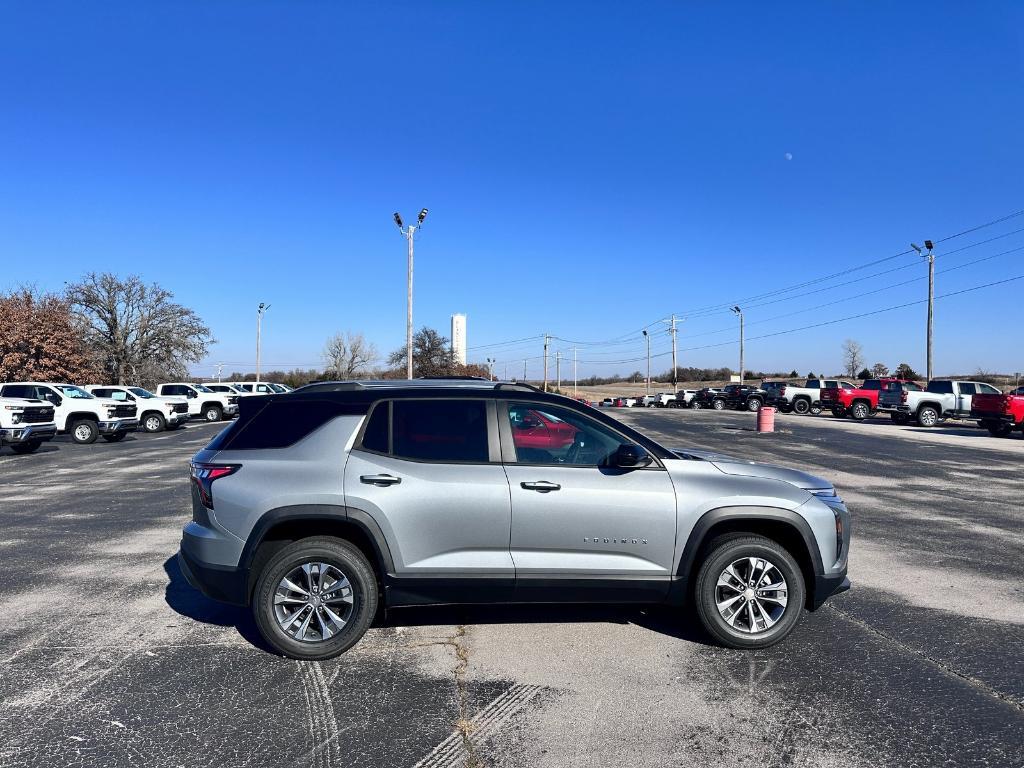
(108,658)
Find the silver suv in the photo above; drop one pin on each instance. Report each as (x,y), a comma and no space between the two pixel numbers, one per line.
(320,506)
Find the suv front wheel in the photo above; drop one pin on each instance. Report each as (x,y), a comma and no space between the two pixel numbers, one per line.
(749,592)
(315,598)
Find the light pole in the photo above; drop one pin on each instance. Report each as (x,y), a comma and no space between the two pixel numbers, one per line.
(739,312)
(675,377)
(490,367)
(260,310)
(648,339)
(574,371)
(931,295)
(558,370)
(547,340)
(409,232)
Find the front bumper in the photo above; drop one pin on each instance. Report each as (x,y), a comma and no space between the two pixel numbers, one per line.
(826,587)
(174,419)
(231,410)
(117,425)
(27,433)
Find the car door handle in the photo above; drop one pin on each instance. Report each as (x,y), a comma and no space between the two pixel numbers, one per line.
(380,480)
(542,486)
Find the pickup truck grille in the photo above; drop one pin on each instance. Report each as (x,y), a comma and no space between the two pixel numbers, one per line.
(180,408)
(124,411)
(37,415)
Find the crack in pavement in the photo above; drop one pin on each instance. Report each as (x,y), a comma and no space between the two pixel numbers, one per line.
(969,679)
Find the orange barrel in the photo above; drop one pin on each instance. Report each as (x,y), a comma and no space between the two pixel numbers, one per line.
(766,419)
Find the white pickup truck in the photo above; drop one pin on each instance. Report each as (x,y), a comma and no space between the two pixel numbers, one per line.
(155,413)
(945,399)
(25,424)
(212,406)
(801,400)
(78,413)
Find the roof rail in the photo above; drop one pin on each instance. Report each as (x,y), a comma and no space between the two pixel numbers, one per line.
(520,385)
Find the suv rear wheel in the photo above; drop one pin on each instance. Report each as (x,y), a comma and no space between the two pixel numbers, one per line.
(749,592)
(315,598)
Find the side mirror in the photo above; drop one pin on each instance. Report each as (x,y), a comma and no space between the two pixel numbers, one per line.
(190,394)
(631,456)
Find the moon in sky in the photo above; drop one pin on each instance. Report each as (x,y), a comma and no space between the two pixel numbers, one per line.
(788,155)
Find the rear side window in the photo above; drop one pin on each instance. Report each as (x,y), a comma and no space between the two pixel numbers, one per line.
(872,384)
(940,387)
(439,430)
(17,390)
(281,424)
(378,429)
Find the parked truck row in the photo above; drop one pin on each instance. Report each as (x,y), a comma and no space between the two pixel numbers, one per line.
(34,412)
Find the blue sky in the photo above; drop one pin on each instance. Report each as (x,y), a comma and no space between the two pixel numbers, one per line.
(589,169)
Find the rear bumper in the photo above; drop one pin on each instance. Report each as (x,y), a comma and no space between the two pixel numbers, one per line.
(218,582)
(27,433)
(994,418)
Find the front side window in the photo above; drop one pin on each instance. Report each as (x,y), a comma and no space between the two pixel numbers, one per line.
(114,394)
(968,389)
(439,430)
(201,388)
(544,434)
(872,384)
(145,394)
(985,389)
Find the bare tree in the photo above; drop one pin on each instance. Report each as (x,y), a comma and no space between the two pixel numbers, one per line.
(348,355)
(137,332)
(853,356)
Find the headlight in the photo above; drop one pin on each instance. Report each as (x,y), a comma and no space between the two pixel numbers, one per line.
(16,418)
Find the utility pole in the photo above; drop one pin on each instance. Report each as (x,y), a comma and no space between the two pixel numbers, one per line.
(675,375)
(574,371)
(739,312)
(648,339)
(409,233)
(931,296)
(558,369)
(260,310)
(506,372)
(547,340)
(524,371)
(220,369)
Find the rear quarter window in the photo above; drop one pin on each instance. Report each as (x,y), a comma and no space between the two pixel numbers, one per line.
(281,423)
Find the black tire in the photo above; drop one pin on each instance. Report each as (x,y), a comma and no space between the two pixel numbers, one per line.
(84,431)
(754,405)
(816,410)
(801,406)
(718,404)
(117,437)
(30,446)
(334,552)
(153,422)
(899,418)
(927,416)
(696,405)
(839,413)
(213,412)
(859,411)
(720,554)
(996,430)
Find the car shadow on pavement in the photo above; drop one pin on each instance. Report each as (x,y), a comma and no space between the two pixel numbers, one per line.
(188,601)
(675,622)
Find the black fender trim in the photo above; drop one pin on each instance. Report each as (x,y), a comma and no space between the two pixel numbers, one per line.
(312,512)
(820,586)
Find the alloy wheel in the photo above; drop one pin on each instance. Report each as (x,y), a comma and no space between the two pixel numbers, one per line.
(313,602)
(751,595)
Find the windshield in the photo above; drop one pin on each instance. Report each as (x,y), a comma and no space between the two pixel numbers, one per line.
(145,394)
(279,389)
(201,388)
(74,393)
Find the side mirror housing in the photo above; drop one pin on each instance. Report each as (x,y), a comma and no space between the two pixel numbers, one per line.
(631,456)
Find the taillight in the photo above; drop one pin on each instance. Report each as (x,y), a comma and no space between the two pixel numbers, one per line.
(203,476)
(782,391)
(904,396)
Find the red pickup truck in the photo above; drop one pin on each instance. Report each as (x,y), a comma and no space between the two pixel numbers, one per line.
(999,414)
(857,403)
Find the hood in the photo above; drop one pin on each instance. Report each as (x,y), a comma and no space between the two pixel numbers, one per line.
(730,465)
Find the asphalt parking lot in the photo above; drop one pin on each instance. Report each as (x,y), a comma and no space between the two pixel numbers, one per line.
(107,657)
